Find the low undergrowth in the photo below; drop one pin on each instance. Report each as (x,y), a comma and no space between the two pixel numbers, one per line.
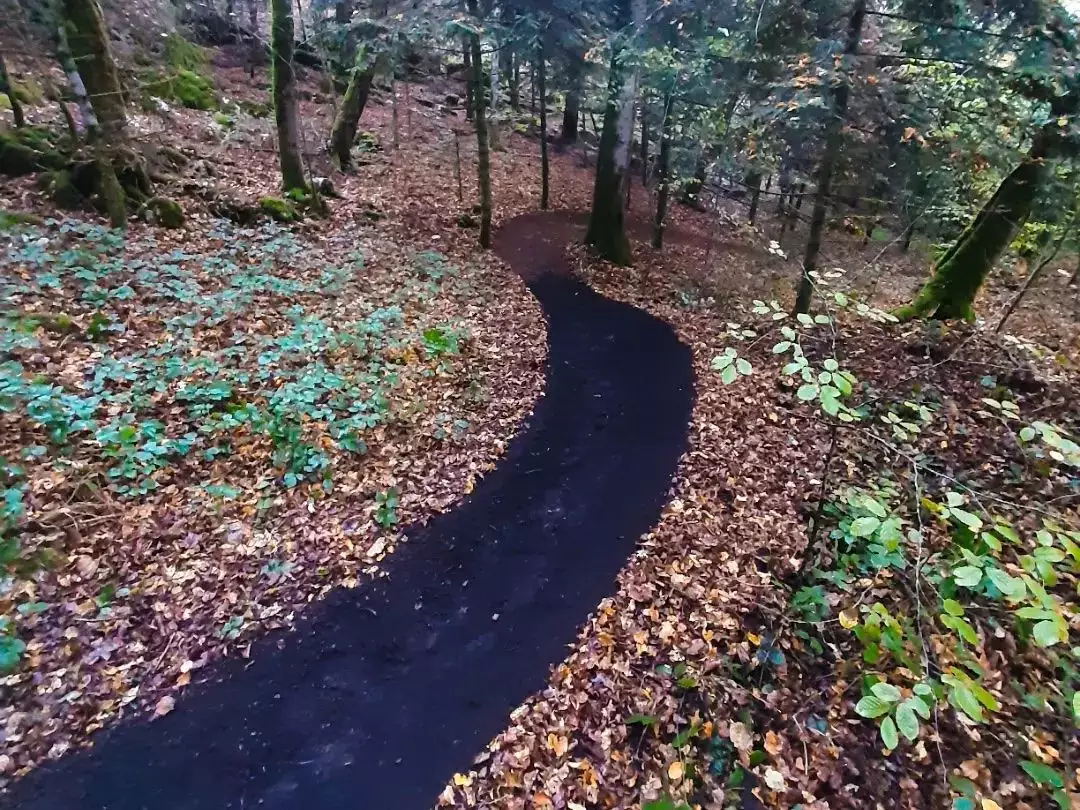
(197,437)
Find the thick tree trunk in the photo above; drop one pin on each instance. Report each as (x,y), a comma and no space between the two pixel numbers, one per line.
(753,182)
(833,137)
(7,89)
(88,40)
(960,272)
(663,171)
(75,83)
(607,229)
(283,79)
(572,109)
(545,170)
(83,47)
(483,151)
(347,120)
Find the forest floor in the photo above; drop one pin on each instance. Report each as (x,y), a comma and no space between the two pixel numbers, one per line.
(715,670)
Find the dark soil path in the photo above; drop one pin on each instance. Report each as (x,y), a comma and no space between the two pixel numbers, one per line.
(387,690)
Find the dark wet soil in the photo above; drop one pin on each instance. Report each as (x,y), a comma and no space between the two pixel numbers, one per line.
(387,690)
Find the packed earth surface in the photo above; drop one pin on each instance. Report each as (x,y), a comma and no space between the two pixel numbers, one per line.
(319,510)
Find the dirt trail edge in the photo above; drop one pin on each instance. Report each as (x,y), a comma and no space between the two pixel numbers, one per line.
(387,690)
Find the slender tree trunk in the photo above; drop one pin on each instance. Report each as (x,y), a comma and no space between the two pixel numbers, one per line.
(541,76)
(8,89)
(960,272)
(283,80)
(663,171)
(515,83)
(607,230)
(347,120)
(753,181)
(483,152)
(457,168)
(644,156)
(394,112)
(470,100)
(255,46)
(493,119)
(909,233)
(833,137)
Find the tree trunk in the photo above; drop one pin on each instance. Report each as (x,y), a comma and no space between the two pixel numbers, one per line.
(255,47)
(607,230)
(833,137)
(470,100)
(960,272)
(75,83)
(88,41)
(515,83)
(644,141)
(9,91)
(83,47)
(347,120)
(753,182)
(663,172)
(541,76)
(493,121)
(283,80)
(572,109)
(483,152)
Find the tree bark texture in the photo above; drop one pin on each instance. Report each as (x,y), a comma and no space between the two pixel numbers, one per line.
(753,182)
(283,80)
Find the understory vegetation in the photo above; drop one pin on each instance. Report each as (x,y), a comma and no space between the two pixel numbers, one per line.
(250,332)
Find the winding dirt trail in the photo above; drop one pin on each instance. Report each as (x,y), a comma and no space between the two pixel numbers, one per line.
(387,690)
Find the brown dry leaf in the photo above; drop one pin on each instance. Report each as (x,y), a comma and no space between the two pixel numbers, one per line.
(675,771)
(740,736)
(165,705)
(773,744)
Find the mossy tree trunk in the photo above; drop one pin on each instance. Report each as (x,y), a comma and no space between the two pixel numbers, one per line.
(347,120)
(7,88)
(84,51)
(88,41)
(607,228)
(960,272)
(483,149)
(541,78)
(663,173)
(283,80)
